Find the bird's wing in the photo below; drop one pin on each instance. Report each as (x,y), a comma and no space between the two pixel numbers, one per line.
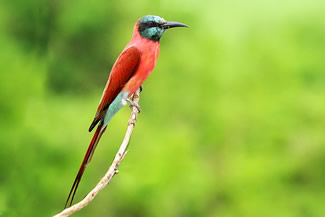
(122,70)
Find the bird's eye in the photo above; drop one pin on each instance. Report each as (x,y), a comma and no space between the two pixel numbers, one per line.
(151,24)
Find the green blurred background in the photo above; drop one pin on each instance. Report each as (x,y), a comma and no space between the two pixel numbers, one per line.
(232,120)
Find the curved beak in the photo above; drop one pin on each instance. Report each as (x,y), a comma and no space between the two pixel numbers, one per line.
(172,24)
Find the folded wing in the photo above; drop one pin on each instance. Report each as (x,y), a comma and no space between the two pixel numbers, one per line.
(124,67)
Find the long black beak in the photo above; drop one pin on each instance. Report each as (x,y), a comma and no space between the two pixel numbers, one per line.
(172,24)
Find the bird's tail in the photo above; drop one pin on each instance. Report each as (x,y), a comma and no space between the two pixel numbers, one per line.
(90,151)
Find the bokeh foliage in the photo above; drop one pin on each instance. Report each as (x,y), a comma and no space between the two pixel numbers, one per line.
(232,120)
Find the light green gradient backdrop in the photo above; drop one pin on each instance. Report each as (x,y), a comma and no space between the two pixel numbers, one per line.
(232,120)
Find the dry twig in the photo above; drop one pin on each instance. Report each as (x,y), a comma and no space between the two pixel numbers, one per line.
(113,168)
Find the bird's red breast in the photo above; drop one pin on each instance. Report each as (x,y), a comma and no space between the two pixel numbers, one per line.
(149,52)
(129,71)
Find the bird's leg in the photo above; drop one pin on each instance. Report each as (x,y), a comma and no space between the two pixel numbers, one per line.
(133,104)
(141,88)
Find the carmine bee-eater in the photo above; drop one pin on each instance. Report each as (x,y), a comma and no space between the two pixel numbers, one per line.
(129,71)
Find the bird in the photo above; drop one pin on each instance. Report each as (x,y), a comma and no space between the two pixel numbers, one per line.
(130,70)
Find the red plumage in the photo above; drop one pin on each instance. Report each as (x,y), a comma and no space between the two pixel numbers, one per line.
(130,70)
(128,73)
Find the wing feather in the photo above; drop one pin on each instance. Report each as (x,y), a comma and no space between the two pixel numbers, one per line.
(124,67)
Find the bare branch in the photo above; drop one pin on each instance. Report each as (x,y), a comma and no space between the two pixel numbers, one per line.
(113,168)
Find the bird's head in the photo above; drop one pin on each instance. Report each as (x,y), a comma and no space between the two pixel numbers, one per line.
(152,27)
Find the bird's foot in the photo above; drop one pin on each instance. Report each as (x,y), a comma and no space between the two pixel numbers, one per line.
(133,104)
(141,88)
